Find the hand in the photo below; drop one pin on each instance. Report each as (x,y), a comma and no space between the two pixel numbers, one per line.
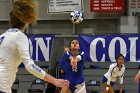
(107,88)
(120,90)
(66,49)
(61,83)
(73,63)
(137,77)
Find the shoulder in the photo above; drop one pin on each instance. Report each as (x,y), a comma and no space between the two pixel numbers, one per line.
(67,53)
(81,53)
(19,33)
(21,36)
(123,66)
(16,32)
(113,65)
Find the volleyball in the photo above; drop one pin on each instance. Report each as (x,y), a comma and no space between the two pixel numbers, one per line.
(76,17)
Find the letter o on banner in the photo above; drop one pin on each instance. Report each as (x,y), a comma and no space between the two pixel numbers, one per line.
(123,48)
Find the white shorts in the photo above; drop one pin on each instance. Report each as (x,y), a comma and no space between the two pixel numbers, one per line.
(80,88)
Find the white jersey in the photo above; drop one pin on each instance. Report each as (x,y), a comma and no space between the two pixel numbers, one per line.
(114,73)
(14,49)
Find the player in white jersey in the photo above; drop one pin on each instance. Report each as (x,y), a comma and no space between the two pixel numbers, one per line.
(14,48)
(116,70)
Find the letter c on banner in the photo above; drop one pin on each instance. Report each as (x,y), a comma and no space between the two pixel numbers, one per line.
(111,50)
(93,49)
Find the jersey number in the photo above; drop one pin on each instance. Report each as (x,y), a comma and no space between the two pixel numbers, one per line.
(1,39)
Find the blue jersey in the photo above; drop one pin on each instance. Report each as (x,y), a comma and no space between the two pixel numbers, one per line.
(73,77)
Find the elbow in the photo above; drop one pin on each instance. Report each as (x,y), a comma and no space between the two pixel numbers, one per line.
(35,70)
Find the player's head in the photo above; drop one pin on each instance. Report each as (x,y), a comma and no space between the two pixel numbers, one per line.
(120,59)
(74,45)
(23,13)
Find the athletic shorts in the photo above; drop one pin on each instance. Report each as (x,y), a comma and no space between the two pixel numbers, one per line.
(79,88)
(104,79)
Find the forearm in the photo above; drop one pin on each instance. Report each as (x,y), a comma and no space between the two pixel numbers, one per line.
(109,76)
(108,81)
(57,82)
(137,77)
(35,70)
(138,74)
(78,58)
(120,86)
(72,62)
(38,72)
(70,58)
(49,78)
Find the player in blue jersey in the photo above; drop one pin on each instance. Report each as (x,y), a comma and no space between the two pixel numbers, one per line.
(116,70)
(72,63)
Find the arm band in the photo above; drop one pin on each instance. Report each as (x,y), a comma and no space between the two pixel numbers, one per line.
(35,70)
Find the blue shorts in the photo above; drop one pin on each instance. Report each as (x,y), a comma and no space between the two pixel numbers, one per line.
(1,92)
(104,79)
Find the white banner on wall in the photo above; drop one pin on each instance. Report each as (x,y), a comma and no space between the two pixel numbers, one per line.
(62,6)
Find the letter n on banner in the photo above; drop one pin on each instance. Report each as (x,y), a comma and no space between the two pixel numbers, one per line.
(40,47)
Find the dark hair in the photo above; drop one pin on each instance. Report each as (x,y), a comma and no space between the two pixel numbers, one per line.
(71,41)
(120,55)
(23,12)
